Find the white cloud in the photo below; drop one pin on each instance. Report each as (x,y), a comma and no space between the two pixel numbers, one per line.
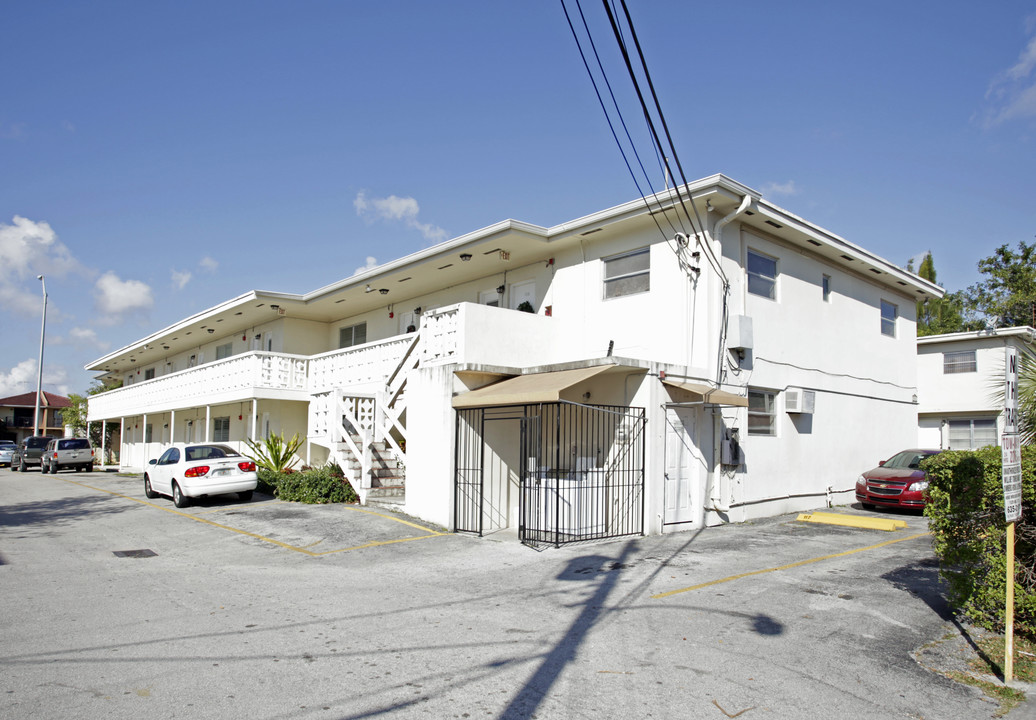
(180,279)
(1012,93)
(80,337)
(396,209)
(115,297)
(788,188)
(372,263)
(28,249)
(19,379)
(208,264)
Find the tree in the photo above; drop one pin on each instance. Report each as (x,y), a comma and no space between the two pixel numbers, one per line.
(947,314)
(76,414)
(1008,294)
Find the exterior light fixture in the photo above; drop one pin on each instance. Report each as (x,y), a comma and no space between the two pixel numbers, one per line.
(465,256)
(383,291)
(500,290)
(368,289)
(417,311)
(211,330)
(274,307)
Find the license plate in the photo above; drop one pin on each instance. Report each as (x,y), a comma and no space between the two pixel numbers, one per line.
(220,473)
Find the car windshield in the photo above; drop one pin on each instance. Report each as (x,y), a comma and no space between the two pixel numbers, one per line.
(37,442)
(909,459)
(75,444)
(210,452)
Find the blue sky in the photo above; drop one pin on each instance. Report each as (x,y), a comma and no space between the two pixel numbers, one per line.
(157,158)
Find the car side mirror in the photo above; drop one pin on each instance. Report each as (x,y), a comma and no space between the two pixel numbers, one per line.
(152,462)
(880,463)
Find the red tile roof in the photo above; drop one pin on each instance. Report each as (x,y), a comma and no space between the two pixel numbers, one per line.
(51,400)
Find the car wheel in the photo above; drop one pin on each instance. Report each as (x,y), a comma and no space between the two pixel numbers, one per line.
(43,468)
(14,468)
(22,466)
(148,492)
(179,499)
(245,496)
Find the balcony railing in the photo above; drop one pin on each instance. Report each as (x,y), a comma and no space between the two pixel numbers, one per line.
(234,378)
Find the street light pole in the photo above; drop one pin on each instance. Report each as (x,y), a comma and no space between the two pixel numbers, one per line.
(39,370)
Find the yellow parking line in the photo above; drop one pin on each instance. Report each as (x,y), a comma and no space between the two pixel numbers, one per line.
(263,538)
(800,563)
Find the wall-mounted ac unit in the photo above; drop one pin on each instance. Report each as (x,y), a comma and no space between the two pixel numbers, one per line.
(797,400)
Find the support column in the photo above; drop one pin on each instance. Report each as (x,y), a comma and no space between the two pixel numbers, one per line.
(122,440)
(208,423)
(255,418)
(143,427)
(172,426)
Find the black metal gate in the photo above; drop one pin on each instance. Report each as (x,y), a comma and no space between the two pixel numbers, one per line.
(580,469)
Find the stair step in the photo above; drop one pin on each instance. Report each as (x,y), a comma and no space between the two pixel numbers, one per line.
(390,491)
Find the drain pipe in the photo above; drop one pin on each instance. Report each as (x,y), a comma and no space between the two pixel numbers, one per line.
(720,484)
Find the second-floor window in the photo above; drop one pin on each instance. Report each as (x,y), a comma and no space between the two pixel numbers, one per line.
(149,374)
(224,351)
(826,281)
(352,335)
(628,273)
(762,275)
(888,319)
(959,362)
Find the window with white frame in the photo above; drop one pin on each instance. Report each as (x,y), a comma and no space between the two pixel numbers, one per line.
(225,350)
(149,374)
(889,312)
(762,275)
(762,417)
(963,361)
(149,433)
(627,274)
(221,429)
(352,335)
(971,434)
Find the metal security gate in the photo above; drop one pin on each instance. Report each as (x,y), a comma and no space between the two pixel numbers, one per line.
(580,471)
(582,475)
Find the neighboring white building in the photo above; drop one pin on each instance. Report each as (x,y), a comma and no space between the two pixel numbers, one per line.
(659,383)
(959,376)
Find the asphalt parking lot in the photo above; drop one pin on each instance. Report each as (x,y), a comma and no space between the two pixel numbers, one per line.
(115,606)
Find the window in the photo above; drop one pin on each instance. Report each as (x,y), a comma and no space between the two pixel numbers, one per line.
(888,319)
(826,283)
(971,434)
(627,274)
(149,374)
(762,275)
(352,335)
(170,457)
(959,362)
(224,351)
(221,429)
(762,420)
(149,433)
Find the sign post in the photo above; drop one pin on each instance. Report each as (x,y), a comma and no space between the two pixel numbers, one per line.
(1011,472)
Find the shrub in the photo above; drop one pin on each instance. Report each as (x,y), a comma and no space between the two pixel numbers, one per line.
(966,517)
(275,453)
(320,485)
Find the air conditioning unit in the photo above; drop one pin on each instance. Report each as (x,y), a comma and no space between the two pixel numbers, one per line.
(797,400)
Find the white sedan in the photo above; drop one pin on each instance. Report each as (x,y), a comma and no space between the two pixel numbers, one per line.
(189,471)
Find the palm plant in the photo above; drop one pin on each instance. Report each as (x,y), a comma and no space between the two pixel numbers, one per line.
(275,453)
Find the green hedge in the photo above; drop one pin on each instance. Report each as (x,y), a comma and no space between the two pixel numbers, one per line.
(966,517)
(314,485)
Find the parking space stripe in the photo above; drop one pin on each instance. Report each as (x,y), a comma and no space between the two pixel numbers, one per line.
(278,543)
(800,563)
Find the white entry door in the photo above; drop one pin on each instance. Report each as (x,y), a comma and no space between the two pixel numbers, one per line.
(682,466)
(522,292)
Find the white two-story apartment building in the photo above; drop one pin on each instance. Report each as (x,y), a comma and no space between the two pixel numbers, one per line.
(603,377)
(960,381)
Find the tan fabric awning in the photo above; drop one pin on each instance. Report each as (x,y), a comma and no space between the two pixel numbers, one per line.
(527,389)
(710,395)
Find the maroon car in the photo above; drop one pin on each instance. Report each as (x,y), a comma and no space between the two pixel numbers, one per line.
(896,482)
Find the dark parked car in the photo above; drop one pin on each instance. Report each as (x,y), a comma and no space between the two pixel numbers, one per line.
(896,482)
(75,453)
(29,452)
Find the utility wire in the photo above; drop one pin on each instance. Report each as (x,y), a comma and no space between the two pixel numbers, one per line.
(607,115)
